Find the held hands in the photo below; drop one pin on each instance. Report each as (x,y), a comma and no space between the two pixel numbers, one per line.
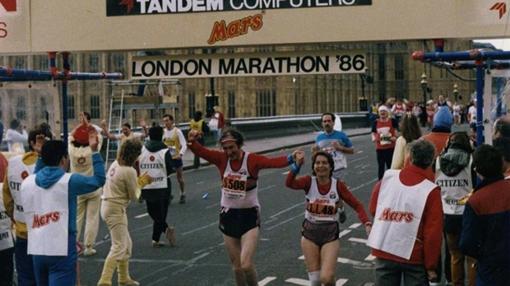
(93,140)
(193,135)
(299,157)
(431,274)
(368,228)
(144,180)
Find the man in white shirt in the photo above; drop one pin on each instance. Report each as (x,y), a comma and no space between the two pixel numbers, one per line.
(174,139)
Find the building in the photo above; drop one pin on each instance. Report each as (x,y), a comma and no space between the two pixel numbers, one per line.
(390,73)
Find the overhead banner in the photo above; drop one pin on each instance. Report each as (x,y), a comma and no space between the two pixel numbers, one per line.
(39,26)
(229,65)
(14,26)
(146,7)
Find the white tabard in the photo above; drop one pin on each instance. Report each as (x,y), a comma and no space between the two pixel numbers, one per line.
(454,189)
(17,171)
(5,226)
(47,216)
(398,215)
(154,164)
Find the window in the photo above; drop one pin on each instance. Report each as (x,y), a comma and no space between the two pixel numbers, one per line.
(20,108)
(118,62)
(19,62)
(399,67)
(95,110)
(191,104)
(381,66)
(93,63)
(42,63)
(266,103)
(231,104)
(71,113)
(42,108)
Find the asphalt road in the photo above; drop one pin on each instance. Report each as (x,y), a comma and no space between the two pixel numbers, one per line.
(200,257)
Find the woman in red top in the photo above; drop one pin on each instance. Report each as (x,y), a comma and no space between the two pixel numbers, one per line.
(320,230)
(239,215)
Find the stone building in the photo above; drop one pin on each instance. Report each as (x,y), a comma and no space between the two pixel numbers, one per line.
(390,73)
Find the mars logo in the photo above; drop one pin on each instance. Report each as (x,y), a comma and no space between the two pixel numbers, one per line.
(152,158)
(24,174)
(45,219)
(8,5)
(222,32)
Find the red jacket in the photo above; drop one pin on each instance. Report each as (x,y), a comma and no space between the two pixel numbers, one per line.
(427,247)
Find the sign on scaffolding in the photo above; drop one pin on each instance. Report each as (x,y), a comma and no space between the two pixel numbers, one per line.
(230,65)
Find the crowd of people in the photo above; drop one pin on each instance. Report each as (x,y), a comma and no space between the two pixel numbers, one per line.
(431,187)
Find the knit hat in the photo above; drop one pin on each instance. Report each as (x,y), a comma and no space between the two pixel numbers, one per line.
(443,117)
(81,134)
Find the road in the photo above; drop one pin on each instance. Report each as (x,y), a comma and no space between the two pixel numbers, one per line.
(200,257)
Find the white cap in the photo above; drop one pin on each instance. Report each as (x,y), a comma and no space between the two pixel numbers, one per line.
(383,108)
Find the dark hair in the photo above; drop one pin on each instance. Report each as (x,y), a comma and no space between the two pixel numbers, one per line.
(502,144)
(127,125)
(87,115)
(14,124)
(197,116)
(328,157)
(156,133)
(129,152)
(169,116)
(232,133)
(502,126)
(410,128)
(52,152)
(487,161)
(460,140)
(38,130)
(333,117)
(422,153)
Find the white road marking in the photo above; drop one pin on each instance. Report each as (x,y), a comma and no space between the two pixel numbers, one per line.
(357,159)
(358,240)
(298,281)
(285,173)
(199,182)
(266,280)
(362,185)
(199,228)
(353,262)
(286,210)
(284,221)
(341,282)
(344,232)
(142,215)
(370,257)
(355,225)
(212,206)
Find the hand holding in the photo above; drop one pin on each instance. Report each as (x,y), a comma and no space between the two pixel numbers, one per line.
(299,157)
(193,135)
(93,140)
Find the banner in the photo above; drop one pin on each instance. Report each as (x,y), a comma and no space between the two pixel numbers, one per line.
(145,7)
(229,65)
(14,26)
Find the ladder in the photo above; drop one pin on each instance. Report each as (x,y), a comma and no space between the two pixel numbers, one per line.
(115,118)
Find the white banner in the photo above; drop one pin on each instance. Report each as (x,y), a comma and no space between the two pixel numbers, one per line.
(229,65)
(14,26)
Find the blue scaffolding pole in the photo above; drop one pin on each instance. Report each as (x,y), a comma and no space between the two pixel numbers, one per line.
(13,75)
(479,59)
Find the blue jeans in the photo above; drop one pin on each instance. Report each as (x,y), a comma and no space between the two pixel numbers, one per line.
(24,264)
(57,270)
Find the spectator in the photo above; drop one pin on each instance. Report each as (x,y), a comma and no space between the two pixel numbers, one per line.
(384,134)
(409,131)
(16,137)
(486,220)
(408,222)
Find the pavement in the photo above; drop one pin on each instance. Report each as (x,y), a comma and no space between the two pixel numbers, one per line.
(266,145)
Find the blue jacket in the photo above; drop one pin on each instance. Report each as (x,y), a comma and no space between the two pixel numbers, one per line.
(46,176)
(486,232)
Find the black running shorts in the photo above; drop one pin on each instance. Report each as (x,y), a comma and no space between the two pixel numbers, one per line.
(236,222)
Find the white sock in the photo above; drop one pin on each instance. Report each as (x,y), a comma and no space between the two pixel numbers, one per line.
(315,278)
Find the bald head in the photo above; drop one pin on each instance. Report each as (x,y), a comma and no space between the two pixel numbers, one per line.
(502,127)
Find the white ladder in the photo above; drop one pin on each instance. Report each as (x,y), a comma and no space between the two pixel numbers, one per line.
(111,154)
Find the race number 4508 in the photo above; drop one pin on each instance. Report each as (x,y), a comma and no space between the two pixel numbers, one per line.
(351,62)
